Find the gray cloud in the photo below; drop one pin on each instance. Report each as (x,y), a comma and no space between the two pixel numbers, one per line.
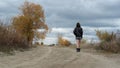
(94,13)
(88,9)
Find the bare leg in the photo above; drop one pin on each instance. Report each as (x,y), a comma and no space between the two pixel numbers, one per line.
(78,43)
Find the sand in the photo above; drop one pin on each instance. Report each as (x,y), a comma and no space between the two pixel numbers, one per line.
(58,57)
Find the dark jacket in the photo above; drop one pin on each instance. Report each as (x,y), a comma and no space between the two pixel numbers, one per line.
(78,32)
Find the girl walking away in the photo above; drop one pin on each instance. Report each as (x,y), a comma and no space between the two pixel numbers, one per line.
(78,32)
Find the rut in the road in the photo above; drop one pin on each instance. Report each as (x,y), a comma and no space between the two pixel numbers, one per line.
(56,57)
(36,60)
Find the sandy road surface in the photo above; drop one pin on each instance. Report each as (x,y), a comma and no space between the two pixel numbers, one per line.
(55,57)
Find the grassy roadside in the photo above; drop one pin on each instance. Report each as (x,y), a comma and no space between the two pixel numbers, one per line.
(11,40)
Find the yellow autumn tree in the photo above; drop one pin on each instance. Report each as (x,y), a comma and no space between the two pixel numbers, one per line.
(29,21)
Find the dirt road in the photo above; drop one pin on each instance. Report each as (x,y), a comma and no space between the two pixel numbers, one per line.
(55,57)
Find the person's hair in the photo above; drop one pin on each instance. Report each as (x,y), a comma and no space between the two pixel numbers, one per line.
(78,25)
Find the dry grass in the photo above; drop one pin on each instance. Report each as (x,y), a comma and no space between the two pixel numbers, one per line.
(62,41)
(105,36)
(112,46)
(11,40)
(108,42)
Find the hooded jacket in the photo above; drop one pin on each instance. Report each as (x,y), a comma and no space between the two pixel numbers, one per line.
(78,32)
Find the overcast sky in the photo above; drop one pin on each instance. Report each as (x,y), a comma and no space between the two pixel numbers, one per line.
(92,13)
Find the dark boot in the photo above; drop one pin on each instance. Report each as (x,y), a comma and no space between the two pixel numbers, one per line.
(77,49)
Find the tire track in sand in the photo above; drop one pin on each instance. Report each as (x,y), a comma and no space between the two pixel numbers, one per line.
(36,60)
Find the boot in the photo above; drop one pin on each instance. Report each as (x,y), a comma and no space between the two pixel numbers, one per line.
(77,49)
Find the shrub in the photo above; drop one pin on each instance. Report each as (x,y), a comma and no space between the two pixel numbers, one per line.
(105,36)
(62,41)
(83,41)
(108,41)
(110,46)
(11,40)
